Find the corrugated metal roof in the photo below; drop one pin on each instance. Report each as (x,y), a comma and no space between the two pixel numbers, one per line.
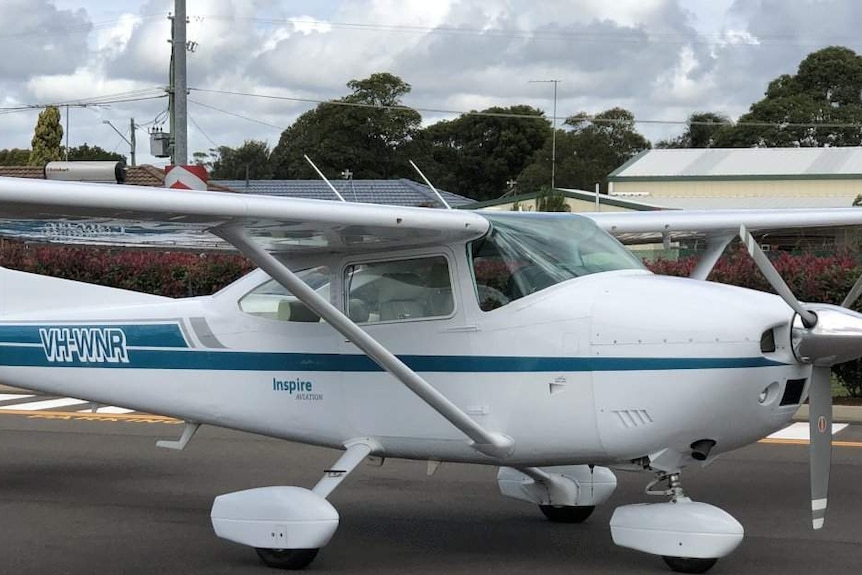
(743,162)
(401,192)
(749,202)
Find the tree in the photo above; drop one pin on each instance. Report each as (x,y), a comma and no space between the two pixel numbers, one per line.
(14,157)
(93,153)
(550,200)
(46,138)
(476,154)
(806,109)
(251,160)
(700,132)
(586,153)
(365,132)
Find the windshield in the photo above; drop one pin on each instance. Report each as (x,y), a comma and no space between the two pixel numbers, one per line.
(525,253)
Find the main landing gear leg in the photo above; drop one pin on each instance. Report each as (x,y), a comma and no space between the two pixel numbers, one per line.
(688,535)
(287,526)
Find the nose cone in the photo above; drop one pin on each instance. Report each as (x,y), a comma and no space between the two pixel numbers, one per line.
(835,338)
(647,309)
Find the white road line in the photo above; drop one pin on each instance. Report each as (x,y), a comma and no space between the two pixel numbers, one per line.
(47,404)
(799,431)
(11,396)
(108,409)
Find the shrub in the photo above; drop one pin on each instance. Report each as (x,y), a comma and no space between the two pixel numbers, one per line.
(173,274)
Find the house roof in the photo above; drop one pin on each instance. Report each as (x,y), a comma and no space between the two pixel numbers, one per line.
(402,192)
(742,164)
(32,172)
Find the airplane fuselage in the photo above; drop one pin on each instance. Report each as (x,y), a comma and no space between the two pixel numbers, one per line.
(605,368)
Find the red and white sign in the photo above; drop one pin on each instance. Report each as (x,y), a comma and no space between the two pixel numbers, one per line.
(186,177)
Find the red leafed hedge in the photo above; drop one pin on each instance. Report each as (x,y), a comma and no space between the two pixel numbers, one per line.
(173,274)
(823,279)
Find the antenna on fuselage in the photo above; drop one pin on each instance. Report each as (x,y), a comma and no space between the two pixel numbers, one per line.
(430,185)
(328,183)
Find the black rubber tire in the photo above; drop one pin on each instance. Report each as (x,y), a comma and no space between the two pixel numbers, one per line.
(291,559)
(567,513)
(689,564)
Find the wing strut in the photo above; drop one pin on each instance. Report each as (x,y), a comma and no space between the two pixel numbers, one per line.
(492,444)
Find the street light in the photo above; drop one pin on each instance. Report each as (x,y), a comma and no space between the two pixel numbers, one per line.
(125,139)
(554,128)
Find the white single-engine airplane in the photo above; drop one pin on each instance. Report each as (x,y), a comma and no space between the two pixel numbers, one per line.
(532,342)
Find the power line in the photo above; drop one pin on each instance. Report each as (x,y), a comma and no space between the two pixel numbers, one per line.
(236,115)
(587,118)
(622,35)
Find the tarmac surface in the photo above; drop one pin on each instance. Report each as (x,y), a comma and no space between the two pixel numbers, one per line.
(80,496)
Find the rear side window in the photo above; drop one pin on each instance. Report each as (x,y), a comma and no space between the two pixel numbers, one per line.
(271,300)
(401,290)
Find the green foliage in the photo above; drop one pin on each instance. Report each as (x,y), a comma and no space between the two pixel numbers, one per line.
(827,89)
(14,157)
(251,160)
(93,153)
(700,132)
(590,150)
(475,155)
(46,138)
(550,200)
(368,139)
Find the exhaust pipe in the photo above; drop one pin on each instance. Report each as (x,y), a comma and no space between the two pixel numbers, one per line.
(700,449)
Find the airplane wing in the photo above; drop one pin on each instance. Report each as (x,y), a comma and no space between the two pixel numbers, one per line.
(118,215)
(632,225)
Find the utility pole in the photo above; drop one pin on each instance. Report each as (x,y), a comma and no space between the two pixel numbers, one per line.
(133,142)
(554,128)
(178,88)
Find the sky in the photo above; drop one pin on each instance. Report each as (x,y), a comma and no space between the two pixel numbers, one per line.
(258,64)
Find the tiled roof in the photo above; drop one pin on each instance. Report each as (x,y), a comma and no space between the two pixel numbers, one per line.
(32,172)
(401,192)
(145,176)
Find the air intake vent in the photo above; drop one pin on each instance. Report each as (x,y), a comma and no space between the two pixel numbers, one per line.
(767,341)
(793,392)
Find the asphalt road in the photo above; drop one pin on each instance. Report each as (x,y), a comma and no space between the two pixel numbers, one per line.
(99,497)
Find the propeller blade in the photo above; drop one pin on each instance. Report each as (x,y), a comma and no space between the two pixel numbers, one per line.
(820,446)
(853,294)
(809,319)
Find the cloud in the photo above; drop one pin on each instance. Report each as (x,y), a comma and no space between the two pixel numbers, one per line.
(662,59)
(38,38)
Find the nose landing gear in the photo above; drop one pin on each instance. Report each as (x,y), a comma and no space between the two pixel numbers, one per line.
(689,536)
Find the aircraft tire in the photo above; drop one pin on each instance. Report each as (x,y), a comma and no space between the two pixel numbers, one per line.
(689,564)
(567,513)
(290,559)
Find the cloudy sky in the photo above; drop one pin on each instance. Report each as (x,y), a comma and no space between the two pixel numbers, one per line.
(257,63)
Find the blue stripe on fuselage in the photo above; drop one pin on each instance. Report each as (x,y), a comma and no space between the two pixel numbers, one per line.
(26,356)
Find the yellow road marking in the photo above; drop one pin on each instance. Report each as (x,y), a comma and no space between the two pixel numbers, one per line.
(806,442)
(71,415)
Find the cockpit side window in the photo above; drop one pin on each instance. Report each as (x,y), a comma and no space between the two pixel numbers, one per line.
(271,300)
(410,289)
